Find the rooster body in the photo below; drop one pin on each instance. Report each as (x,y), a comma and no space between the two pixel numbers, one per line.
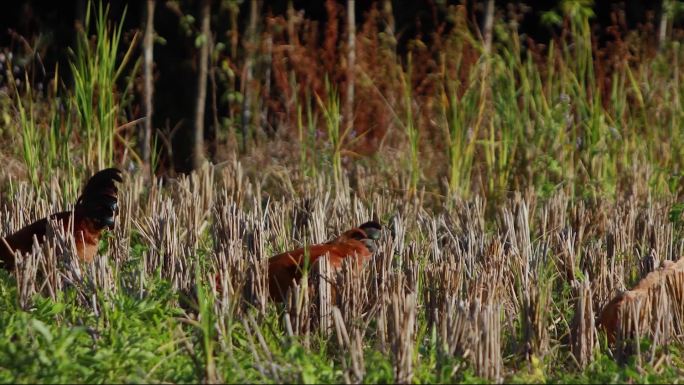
(286,268)
(609,319)
(94,211)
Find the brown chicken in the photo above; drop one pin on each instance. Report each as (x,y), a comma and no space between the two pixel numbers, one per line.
(94,211)
(609,318)
(286,268)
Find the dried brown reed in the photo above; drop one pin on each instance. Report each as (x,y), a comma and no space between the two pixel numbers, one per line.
(518,286)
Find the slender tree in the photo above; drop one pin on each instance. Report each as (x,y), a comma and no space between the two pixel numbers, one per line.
(149,87)
(488,26)
(662,28)
(249,71)
(198,148)
(351,63)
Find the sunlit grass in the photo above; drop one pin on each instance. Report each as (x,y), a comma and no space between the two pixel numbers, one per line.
(542,173)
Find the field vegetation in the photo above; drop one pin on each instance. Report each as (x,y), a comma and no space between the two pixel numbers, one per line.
(521,187)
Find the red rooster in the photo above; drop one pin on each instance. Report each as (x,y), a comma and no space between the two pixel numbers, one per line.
(609,319)
(94,211)
(286,268)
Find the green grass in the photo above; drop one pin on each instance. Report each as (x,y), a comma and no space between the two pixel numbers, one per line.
(79,120)
(96,69)
(142,340)
(520,118)
(56,341)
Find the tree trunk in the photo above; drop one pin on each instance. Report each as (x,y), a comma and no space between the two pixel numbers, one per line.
(214,107)
(488,24)
(149,87)
(249,72)
(198,150)
(662,29)
(351,63)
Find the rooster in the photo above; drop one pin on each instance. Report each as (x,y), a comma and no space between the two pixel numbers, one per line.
(286,268)
(93,213)
(609,319)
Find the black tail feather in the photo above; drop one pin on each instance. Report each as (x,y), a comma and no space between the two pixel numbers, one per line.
(99,197)
(102,184)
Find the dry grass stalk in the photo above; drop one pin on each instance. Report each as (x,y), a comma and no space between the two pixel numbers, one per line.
(488,357)
(323,285)
(402,319)
(532,285)
(229,259)
(473,331)
(355,372)
(471,278)
(26,269)
(352,287)
(256,286)
(584,341)
(161,233)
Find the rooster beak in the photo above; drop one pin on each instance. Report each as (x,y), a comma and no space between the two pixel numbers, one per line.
(370,245)
(109,222)
(113,206)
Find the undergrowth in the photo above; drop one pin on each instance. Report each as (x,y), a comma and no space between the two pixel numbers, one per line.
(513,186)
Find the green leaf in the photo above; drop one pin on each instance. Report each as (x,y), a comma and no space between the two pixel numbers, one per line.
(551,18)
(675,214)
(41,328)
(200,40)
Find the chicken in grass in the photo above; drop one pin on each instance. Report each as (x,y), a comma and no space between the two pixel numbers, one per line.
(609,319)
(287,268)
(94,212)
